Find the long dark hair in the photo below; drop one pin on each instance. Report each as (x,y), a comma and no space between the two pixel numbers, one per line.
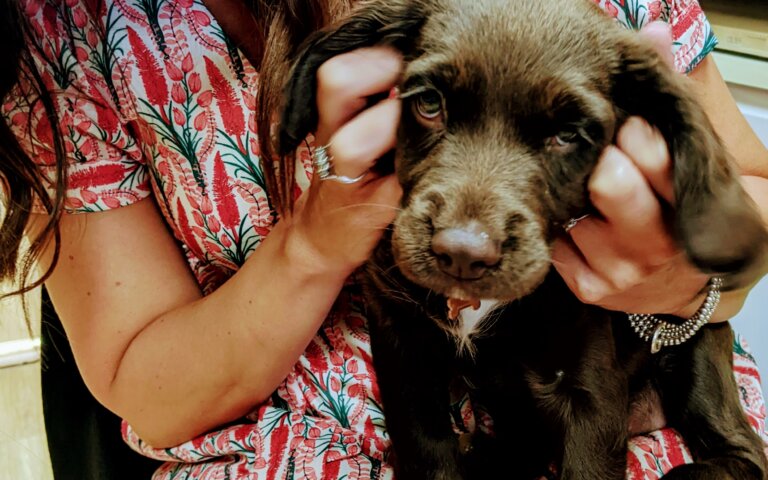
(22,184)
(282,25)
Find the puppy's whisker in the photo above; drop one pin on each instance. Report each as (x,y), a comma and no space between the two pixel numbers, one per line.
(398,295)
(411,92)
(383,206)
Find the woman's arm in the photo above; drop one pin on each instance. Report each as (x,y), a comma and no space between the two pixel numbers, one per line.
(713,94)
(176,364)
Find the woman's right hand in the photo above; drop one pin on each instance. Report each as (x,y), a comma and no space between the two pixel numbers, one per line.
(338,225)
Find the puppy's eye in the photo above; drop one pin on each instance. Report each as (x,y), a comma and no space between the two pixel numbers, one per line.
(429,106)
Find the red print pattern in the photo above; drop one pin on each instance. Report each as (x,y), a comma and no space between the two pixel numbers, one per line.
(154,99)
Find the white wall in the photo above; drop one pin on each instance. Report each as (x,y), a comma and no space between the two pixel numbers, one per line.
(752,321)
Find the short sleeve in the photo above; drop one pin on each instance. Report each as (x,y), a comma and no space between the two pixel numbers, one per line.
(104,164)
(692,34)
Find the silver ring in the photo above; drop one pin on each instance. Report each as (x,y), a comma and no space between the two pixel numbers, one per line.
(322,161)
(573,222)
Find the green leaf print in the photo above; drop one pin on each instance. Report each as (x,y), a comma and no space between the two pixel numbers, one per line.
(151,9)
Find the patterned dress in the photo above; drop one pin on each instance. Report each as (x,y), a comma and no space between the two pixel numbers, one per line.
(155,99)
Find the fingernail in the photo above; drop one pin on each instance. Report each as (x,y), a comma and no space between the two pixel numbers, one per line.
(641,128)
(643,142)
(610,176)
(651,136)
(613,157)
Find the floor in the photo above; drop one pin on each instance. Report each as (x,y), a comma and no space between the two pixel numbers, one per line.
(23,450)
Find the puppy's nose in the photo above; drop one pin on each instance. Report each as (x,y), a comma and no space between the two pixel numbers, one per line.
(467,252)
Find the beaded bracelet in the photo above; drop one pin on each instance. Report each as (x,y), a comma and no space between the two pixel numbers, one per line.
(664,334)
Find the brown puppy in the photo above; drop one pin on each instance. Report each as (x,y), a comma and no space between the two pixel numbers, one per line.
(508,105)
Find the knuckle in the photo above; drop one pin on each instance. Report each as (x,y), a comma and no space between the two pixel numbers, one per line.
(623,279)
(621,189)
(645,144)
(588,292)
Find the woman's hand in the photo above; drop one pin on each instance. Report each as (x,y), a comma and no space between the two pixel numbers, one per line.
(627,260)
(340,224)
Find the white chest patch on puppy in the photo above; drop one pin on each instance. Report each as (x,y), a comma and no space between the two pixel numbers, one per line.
(470,323)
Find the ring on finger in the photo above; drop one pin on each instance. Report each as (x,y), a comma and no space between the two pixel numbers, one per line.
(573,222)
(322,161)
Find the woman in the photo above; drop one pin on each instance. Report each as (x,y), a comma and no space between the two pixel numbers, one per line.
(161,112)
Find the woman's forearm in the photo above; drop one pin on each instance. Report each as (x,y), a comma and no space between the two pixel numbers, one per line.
(175,364)
(242,339)
(713,94)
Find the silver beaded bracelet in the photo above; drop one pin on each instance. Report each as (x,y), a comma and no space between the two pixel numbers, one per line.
(664,334)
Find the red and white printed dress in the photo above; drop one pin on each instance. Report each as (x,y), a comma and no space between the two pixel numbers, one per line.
(154,99)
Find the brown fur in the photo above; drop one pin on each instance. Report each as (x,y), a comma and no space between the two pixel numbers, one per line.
(512,75)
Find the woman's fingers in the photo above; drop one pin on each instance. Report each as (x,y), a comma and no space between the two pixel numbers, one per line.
(626,255)
(648,150)
(584,282)
(633,219)
(342,223)
(345,82)
(625,259)
(357,145)
(671,288)
(605,256)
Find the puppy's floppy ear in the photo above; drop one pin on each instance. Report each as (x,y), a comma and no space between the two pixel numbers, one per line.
(715,221)
(392,23)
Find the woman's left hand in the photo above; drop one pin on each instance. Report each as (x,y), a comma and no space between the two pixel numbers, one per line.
(627,260)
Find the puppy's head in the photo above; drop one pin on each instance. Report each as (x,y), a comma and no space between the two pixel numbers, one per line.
(507,106)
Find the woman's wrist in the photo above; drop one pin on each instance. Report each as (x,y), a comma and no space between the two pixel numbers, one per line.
(730,304)
(304,256)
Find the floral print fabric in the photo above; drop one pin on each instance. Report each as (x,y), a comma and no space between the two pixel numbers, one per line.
(154,99)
